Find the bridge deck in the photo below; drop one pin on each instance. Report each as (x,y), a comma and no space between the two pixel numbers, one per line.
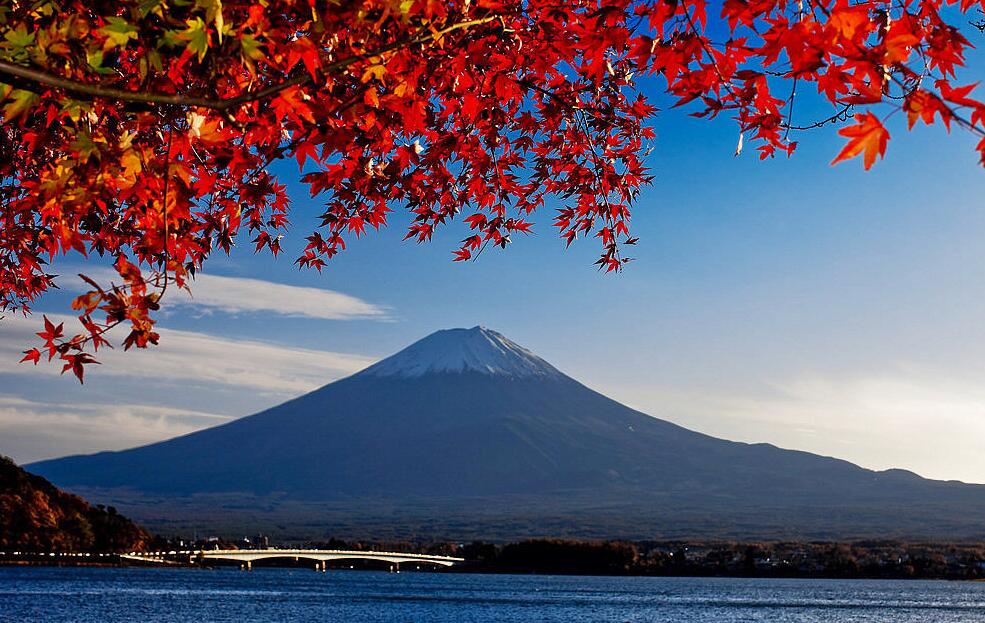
(319,555)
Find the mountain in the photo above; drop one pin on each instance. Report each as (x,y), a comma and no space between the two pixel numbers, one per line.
(465,434)
(36,517)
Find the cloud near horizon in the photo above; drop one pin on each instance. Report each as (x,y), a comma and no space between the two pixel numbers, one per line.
(236,295)
(33,431)
(191,357)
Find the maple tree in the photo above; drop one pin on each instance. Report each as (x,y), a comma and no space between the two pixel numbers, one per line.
(144,130)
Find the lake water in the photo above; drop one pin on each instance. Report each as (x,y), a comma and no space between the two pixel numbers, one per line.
(48,594)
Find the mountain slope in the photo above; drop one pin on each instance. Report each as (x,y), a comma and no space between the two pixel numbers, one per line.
(466,427)
(35,516)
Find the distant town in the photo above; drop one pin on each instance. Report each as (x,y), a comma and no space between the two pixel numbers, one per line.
(862,559)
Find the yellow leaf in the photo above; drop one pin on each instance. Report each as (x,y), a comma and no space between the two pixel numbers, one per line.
(195,121)
(218,19)
(181,171)
(126,140)
(131,163)
(374,71)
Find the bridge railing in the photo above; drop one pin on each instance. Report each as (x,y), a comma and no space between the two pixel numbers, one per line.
(314,554)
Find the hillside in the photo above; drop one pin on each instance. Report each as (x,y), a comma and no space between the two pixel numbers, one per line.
(36,517)
(467,435)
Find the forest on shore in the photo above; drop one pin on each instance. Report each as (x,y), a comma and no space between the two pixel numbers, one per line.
(36,516)
(863,559)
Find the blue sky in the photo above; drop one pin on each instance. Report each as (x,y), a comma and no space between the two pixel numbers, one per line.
(815,307)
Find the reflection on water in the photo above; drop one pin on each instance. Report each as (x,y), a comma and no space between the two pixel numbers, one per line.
(59,595)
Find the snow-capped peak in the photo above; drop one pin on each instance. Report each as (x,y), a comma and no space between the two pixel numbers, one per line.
(463,350)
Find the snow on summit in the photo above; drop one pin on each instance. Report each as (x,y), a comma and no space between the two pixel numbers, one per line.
(460,350)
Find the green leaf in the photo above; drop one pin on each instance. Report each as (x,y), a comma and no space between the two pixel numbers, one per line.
(76,109)
(85,147)
(146,7)
(155,60)
(150,61)
(17,41)
(95,60)
(19,102)
(251,47)
(213,13)
(197,37)
(19,38)
(117,32)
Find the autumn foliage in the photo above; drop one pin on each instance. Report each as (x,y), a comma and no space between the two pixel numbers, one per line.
(144,130)
(35,516)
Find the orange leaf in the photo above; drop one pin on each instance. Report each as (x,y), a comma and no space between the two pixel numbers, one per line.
(868,135)
(850,21)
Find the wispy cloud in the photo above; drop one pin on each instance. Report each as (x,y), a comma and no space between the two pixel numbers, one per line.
(245,295)
(32,431)
(191,357)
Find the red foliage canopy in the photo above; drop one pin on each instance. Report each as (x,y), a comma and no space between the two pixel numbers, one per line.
(144,129)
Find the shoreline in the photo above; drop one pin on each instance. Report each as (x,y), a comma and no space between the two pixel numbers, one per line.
(877,560)
(466,570)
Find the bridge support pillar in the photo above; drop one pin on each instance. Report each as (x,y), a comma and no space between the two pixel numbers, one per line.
(249,565)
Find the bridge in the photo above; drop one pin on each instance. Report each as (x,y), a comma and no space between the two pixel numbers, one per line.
(320,557)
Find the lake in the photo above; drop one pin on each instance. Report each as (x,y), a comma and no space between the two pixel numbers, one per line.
(146,595)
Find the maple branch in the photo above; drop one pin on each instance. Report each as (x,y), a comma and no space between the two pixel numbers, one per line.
(980,24)
(793,94)
(78,342)
(841,115)
(81,88)
(707,50)
(167,233)
(714,63)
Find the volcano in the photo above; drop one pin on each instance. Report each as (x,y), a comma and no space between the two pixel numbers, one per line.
(465,434)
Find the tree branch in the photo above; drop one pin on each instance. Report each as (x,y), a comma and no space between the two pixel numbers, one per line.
(40,77)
